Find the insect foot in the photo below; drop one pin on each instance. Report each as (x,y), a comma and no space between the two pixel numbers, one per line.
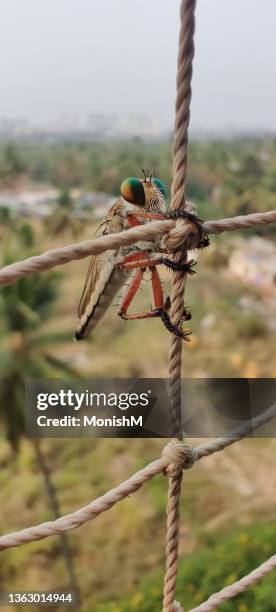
(204,242)
(187,315)
(173,329)
(179,267)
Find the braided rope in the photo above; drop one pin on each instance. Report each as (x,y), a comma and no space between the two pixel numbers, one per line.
(178,202)
(62,255)
(179,176)
(239,223)
(172,537)
(237,587)
(174,456)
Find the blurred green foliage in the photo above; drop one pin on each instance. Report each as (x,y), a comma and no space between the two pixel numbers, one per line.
(251,325)
(62,219)
(225,178)
(237,176)
(25,349)
(221,562)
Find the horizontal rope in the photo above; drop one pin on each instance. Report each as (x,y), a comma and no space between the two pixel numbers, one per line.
(62,255)
(237,587)
(135,482)
(241,432)
(239,223)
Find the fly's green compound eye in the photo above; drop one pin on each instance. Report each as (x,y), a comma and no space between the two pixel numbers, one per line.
(161,186)
(132,190)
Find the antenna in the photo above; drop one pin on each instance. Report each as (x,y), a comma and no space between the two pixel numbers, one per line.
(144,173)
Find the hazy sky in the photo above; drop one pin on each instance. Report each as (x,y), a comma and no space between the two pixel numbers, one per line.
(82,56)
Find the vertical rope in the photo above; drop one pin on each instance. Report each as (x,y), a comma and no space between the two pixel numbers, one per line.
(178,200)
(173,519)
(179,176)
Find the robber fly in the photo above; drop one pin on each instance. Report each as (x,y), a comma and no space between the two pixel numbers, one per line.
(141,200)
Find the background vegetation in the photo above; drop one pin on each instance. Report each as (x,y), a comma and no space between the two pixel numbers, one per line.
(228,505)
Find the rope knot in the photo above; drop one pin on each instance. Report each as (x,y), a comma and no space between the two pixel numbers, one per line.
(178,456)
(190,237)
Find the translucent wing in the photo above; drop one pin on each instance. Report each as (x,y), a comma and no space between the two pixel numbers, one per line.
(95,263)
(89,284)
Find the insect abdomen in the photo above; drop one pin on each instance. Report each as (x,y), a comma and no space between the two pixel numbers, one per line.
(107,286)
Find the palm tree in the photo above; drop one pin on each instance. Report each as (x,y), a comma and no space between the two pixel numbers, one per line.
(27,352)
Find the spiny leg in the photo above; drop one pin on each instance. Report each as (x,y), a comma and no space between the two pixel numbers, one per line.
(157,293)
(146,262)
(179,267)
(173,329)
(131,263)
(134,256)
(133,288)
(130,292)
(128,297)
(172,214)
(163,308)
(157,290)
(160,309)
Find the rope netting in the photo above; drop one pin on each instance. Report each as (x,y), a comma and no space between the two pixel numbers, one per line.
(180,236)
(176,456)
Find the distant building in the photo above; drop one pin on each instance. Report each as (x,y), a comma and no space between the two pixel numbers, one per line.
(31,203)
(39,203)
(97,126)
(97,204)
(254,261)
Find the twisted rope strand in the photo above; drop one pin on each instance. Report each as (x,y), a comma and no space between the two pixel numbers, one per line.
(178,201)
(239,223)
(237,587)
(179,177)
(238,434)
(62,255)
(174,456)
(182,105)
(86,513)
(172,538)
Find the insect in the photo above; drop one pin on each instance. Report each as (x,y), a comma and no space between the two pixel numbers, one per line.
(141,200)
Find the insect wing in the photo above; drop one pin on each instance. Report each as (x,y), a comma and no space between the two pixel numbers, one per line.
(89,284)
(95,263)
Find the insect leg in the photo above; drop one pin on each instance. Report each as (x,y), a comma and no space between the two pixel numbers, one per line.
(157,290)
(136,255)
(136,261)
(130,292)
(147,262)
(144,215)
(179,267)
(132,262)
(132,221)
(181,333)
(162,308)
